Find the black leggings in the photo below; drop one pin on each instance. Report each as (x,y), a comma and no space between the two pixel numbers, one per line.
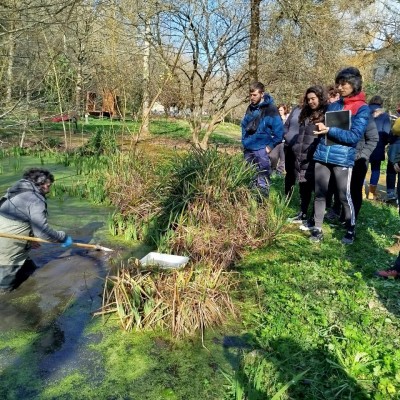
(305,190)
(342,175)
(357,182)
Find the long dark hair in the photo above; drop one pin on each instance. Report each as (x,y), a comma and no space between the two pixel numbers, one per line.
(318,114)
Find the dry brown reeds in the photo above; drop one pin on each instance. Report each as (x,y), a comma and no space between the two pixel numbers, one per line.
(221,233)
(184,301)
(130,183)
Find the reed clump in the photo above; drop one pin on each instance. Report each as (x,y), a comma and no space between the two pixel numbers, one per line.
(209,211)
(200,204)
(182,301)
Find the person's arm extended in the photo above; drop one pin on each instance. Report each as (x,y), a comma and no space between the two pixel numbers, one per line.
(39,224)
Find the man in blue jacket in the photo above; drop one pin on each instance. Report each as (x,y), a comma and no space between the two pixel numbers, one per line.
(262,130)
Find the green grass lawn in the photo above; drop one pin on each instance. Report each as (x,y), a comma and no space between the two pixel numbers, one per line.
(53,133)
(322,315)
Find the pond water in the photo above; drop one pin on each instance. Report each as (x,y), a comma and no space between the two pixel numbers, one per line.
(47,314)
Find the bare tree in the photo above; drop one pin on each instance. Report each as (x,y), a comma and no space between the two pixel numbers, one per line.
(19,19)
(304,42)
(214,39)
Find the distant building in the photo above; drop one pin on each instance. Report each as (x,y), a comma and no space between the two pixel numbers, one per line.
(104,105)
(158,108)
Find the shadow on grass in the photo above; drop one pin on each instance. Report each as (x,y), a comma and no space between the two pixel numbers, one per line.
(284,367)
(375,249)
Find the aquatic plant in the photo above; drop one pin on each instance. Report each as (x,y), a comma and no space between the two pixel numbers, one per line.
(182,301)
(102,141)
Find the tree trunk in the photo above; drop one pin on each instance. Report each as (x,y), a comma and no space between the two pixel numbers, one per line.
(10,69)
(254,40)
(27,105)
(144,128)
(78,89)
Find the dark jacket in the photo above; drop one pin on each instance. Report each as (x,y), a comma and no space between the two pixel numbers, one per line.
(394,150)
(292,126)
(262,125)
(383,125)
(343,151)
(367,144)
(304,148)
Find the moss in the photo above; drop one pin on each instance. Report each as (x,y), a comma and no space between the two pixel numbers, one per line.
(145,365)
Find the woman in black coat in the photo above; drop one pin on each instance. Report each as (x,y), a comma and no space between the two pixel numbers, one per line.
(313,111)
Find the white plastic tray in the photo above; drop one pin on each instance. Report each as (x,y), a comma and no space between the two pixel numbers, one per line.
(166,261)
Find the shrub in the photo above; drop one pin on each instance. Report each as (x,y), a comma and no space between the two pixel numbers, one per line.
(209,212)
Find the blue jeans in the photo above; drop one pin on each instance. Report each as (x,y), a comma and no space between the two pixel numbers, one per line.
(260,159)
(375,172)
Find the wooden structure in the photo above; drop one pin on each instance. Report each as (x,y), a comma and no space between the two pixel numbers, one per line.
(104,106)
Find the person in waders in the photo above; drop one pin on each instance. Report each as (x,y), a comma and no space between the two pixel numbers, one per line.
(23,211)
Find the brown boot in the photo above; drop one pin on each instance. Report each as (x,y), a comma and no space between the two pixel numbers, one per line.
(366,190)
(372,192)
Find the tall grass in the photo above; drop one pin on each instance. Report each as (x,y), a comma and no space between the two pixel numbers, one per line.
(182,301)
(208,210)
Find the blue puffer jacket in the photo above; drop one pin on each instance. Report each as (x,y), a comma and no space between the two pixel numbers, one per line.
(343,151)
(269,131)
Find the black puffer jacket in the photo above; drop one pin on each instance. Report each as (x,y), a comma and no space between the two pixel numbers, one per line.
(306,143)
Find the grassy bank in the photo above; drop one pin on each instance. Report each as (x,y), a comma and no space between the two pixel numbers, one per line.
(51,135)
(324,317)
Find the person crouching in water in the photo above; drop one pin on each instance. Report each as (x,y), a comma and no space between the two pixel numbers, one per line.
(313,111)
(337,157)
(23,211)
(262,130)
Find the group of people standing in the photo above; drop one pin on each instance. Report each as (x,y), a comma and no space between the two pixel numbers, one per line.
(329,161)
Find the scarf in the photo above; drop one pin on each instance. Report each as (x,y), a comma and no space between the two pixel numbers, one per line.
(353,103)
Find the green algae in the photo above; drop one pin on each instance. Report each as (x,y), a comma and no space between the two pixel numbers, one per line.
(16,341)
(145,365)
(26,299)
